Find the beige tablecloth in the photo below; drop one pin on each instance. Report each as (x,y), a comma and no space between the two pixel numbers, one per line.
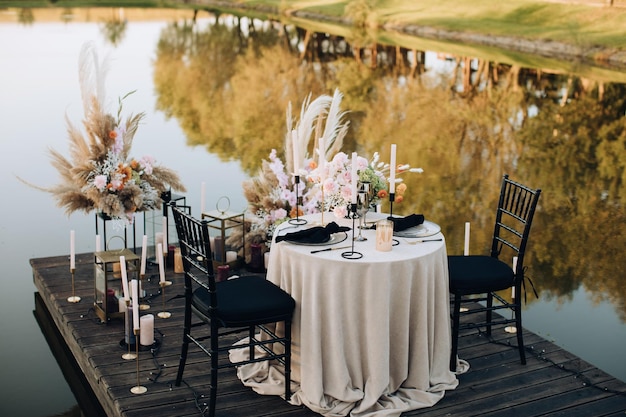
(371,337)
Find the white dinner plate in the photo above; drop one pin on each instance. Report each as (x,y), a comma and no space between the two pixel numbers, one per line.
(425,229)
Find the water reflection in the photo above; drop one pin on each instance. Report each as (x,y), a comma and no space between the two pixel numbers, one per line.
(465,122)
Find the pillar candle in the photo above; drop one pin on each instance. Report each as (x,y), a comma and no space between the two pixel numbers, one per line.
(202,197)
(218,251)
(98,243)
(231,256)
(266,257)
(135,290)
(355,178)
(467,239)
(144,247)
(124,277)
(160,259)
(392,170)
(122,305)
(146,334)
(72,250)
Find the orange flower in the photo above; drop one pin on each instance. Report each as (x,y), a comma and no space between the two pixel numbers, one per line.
(112,134)
(382,194)
(312,164)
(399,198)
(292,213)
(134,164)
(401,188)
(126,171)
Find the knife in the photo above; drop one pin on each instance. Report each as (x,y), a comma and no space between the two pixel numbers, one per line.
(327,249)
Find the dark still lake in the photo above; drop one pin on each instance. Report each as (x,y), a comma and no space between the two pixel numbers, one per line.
(215,97)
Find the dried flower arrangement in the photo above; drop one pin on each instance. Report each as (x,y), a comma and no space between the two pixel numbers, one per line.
(100,175)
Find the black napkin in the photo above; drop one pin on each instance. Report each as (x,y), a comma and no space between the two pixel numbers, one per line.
(317,234)
(403,223)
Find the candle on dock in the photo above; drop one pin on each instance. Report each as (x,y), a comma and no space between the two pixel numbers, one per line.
(135,290)
(467,239)
(231,256)
(144,248)
(161,268)
(146,334)
(354,178)
(124,278)
(72,250)
(202,197)
(392,170)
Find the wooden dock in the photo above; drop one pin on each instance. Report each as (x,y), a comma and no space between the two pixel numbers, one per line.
(554,382)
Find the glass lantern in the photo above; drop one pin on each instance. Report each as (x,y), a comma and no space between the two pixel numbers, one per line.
(224,223)
(108,281)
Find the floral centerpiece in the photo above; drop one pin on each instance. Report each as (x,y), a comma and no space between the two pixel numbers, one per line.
(101,175)
(325,176)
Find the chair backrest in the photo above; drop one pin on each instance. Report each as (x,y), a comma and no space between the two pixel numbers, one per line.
(195,249)
(516,208)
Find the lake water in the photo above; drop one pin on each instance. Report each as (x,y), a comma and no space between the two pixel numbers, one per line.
(39,87)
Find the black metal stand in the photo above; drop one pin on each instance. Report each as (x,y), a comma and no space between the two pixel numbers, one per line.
(352,254)
(392,198)
(297,221)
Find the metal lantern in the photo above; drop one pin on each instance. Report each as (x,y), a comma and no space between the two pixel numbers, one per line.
(108,281)
(225,222)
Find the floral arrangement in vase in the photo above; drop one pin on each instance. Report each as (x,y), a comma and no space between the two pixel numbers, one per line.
(100,175)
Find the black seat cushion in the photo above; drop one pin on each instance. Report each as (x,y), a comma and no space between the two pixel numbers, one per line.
(478,274)
(246,300)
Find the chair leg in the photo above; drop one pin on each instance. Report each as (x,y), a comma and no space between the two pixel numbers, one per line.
(288,360)
(186,333)
(214,363)
(520,332)
(456,315)
(183,360)
(489,313)
(251,330)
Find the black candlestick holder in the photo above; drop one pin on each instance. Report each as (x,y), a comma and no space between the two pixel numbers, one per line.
(392,198)
(297,221)
(351,254)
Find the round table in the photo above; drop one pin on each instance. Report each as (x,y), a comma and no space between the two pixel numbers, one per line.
(370,336)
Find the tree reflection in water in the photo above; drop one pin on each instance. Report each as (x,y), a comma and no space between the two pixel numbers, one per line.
(465,121)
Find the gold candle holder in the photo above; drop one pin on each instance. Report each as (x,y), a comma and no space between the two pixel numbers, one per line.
(137,389)
(128,355)
(73,298)
(164,314)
